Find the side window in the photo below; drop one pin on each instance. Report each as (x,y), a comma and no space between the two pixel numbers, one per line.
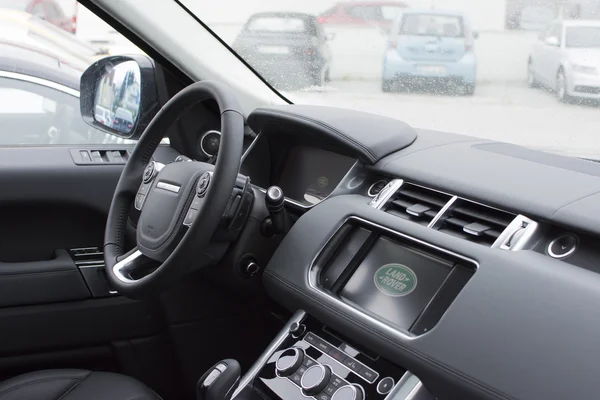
(365,13)
(38,11)
(33,113)
(39,104)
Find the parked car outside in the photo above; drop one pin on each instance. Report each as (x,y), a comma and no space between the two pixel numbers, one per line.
(48,10)
(293,42)
(430,47)
(377,13)
(566,58)
(40,97)
(536,18)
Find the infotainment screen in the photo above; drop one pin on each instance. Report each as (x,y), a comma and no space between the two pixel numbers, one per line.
(395,282)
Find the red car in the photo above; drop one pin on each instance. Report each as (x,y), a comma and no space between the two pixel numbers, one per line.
(48,10)
(380,14)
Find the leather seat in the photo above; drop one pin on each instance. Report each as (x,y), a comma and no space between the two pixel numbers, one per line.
(74,384)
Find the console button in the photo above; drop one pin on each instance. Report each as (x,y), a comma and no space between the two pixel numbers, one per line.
(310,338)
(352,364)
(308,362)
(368,374)
(331,389)
(139,201)
(289,361)
(385,385)
(323,346)
(349,392)
(144,188)
(296,378)
(190,216)
(337,382)
(315,379)
(562,247)
(337,354)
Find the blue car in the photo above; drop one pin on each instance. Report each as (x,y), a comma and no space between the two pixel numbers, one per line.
(430,48)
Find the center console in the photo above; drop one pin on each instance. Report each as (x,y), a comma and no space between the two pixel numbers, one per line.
(308,360)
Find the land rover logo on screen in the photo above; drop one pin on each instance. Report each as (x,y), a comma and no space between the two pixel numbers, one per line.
(395,280)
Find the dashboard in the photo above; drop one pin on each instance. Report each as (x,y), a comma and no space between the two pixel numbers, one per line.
(459,259)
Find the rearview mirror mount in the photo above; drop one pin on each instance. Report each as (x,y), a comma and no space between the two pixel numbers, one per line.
(119,95)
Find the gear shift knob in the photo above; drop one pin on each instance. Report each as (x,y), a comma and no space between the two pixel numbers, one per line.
(220,381)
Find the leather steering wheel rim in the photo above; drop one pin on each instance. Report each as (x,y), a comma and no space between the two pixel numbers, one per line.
(198,235)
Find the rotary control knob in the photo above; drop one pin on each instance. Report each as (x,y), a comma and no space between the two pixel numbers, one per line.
(349,392)
(289,361)
(315,379)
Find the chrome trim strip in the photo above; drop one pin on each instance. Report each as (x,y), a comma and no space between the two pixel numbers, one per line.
(168,186)
(313,275)
(39,81)
(95,265)
(264,357)
(124,264)
(386,193)
(568,253)
(434,222)
(202,139)
(247,152)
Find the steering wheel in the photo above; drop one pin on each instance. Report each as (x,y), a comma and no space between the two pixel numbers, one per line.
(181,203)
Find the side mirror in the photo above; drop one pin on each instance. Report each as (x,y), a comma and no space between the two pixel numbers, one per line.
(552,41)
(119,95)
(475,35)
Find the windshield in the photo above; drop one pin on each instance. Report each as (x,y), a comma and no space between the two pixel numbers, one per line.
(431,25)
(276,25)
(583,37)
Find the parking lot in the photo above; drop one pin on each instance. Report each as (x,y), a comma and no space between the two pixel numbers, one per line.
(510,112)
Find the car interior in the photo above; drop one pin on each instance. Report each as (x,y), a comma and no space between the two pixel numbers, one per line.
(291,252)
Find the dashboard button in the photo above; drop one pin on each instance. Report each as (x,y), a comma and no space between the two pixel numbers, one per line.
(385,385)
(296,378)
(368,374)
(353,364)
(562,246)
(330,389)
(310,338)
(323,396)
(337,354)
(308,362)
(323,346)
(337,382)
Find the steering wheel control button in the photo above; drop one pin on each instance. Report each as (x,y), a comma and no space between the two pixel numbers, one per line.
(562,246)
(315,379)
(139,201)
(144,188)
(203,183)
(190,217)
(349,392)
(149,172)
(289,361)
(385,385)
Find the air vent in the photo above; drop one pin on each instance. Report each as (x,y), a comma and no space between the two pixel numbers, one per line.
(475,222)
(417,203)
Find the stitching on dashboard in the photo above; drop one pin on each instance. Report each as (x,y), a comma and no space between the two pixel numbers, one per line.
(369,152)
(466,378)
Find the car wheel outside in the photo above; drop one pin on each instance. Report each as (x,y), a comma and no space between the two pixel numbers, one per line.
(561,87)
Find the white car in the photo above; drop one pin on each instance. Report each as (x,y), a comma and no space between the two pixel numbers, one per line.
(566,58)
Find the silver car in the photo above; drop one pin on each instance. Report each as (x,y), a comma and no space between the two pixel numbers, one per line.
(566,58)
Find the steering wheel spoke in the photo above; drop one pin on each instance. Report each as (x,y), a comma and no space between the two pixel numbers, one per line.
(133,266)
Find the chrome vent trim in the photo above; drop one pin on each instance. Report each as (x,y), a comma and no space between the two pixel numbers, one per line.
(519,234)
